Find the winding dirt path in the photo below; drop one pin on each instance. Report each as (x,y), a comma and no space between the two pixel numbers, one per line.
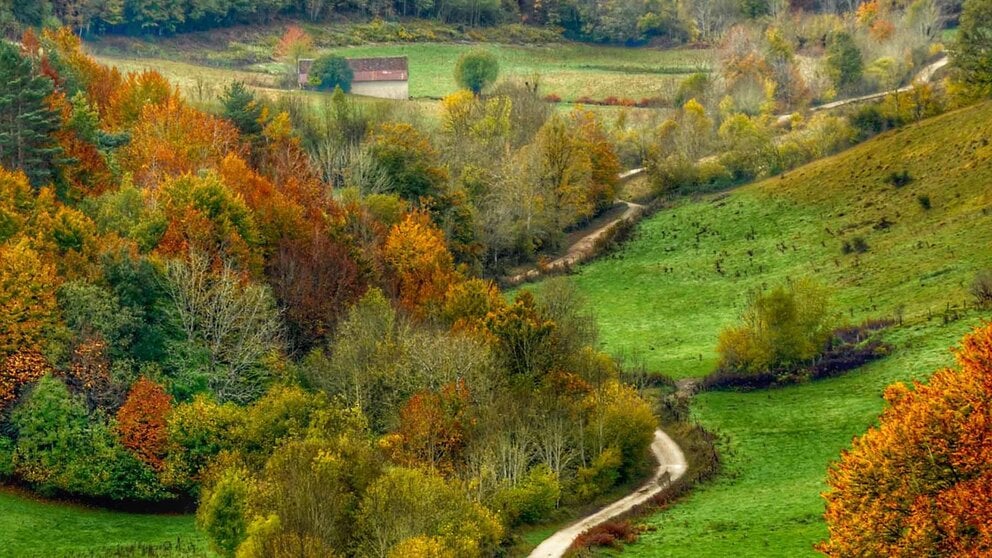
(583,249)
(925,75)
(671,466)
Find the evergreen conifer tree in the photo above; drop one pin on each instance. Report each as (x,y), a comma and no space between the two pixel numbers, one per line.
(26,120)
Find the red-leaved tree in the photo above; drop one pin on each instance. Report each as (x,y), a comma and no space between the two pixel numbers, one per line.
(141,422)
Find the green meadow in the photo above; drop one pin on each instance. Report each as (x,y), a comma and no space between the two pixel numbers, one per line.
(31,527)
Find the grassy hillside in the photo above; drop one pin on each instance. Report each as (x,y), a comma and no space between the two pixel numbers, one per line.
(670,291)
(31,527)
(666,296)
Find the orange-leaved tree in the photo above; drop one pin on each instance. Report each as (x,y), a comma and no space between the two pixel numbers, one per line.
(142,422)
(171,138)
(27,298)
(416,251)
(920,484)
(434,428)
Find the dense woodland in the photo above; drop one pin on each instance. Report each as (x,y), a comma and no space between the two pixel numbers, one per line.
(187,311)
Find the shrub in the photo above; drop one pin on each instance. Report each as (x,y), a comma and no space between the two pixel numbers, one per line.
(869,120)
(62,448)
(222,510)
(857,245)
(981,288)
(899,178)
(693,87)
(531,501)
(611,534)
(406,503)
(779,329)
(198,432)
(141,425)
(844,62)
(924,201)
(331,71)
(599,476)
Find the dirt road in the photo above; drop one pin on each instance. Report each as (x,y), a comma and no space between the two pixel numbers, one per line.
(582,250)
(671,466)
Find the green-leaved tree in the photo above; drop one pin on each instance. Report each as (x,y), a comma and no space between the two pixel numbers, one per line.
(330,71)
(973,52)
(26,120)
(476,70)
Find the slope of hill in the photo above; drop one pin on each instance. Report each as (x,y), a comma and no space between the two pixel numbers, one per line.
(667,294)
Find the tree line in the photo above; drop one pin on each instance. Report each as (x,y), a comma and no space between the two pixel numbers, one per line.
(604,21)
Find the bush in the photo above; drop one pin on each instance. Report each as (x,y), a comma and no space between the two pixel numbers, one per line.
(869,120)
(899,178)
(844,62)
(850,347)
(924,201)
(693,87)
(611,534)
(780,329)
(62,448)
(857,245)
(599,476)
(222,510)
(531,501)
(981,288)
(198,432)
(331,71)
(406,503)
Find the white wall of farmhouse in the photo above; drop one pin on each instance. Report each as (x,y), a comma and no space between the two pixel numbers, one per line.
(382,89)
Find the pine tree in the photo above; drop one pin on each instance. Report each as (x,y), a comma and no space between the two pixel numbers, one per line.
(26,120)
(242,108)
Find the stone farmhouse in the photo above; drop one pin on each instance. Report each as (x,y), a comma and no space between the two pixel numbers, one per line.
(385,78)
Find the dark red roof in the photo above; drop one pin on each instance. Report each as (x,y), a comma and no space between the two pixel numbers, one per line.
(379,69)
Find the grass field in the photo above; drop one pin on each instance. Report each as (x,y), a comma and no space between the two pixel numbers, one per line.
(665,297)
(31,527)
(569,70)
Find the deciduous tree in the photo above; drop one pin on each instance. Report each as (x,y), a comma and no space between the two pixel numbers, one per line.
(920,484)
(141,422)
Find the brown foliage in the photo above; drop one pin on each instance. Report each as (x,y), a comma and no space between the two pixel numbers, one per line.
(89,372)
(18,369)
(434,429)
(141,422)
(315,279)
(920,484)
